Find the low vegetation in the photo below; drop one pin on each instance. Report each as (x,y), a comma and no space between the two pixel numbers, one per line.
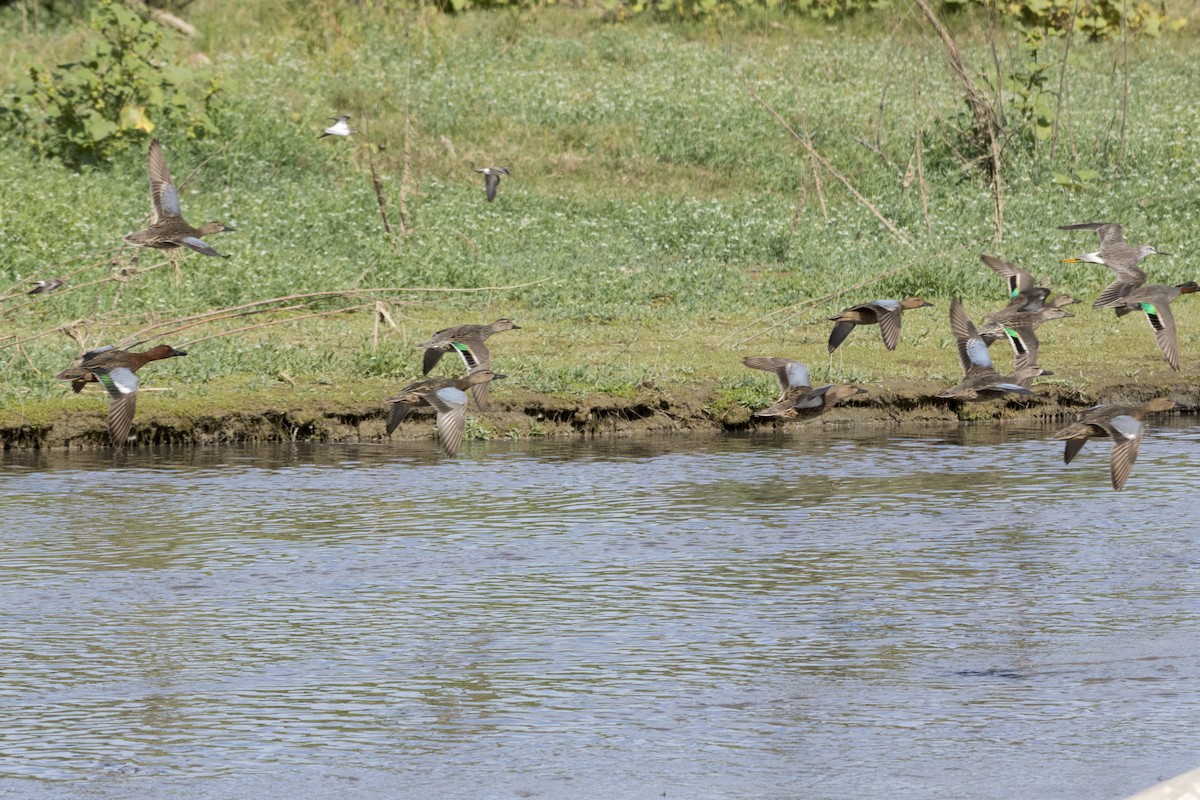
(660,221)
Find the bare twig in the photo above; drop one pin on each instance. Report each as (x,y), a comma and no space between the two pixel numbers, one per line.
(887,161)
(406,176)
(274,322)
(1125,70)
(171,21)
(205,316)
(128,341)
(815,167)
(1062,81)
(64,328)
(377,183)
(808,145)
(796,308)
(29,360)
(21,287)
(987,123)
(924,188)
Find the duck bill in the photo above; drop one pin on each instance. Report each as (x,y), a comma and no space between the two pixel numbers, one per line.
(1071,261)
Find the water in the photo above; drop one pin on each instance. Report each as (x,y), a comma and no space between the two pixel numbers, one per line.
(825,614)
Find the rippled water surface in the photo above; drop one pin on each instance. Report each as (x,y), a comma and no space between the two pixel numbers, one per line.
(825,614)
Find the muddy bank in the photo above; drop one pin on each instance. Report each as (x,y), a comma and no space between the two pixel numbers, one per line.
(519,415)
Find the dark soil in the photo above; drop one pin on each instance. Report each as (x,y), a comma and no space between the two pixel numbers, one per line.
(520,414)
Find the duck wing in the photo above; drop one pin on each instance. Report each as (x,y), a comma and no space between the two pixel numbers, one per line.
(887,313)
(1129,277)
(1019,280)
(432,356)
(121,384)
(790,373)
(1126,433)
(972,350)
(451,405)
(200,246)
(164,197)
(1162,320)
(839,333)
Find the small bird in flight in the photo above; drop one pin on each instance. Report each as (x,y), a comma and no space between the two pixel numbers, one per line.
(491,179)
(44,287)
(340,127)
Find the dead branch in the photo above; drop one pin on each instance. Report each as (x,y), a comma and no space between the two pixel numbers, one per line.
(274,322)
(815,168)
(796,308)
(987,123)
(1062,81)
(377,183)
(169,20)
(812,150)
(1125,72)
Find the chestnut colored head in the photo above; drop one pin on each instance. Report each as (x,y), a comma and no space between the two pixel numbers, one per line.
(1160,404)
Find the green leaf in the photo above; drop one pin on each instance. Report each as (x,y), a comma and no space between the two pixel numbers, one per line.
(99,128)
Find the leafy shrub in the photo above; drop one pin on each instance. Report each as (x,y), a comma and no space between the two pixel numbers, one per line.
(121,89)
(1095,19)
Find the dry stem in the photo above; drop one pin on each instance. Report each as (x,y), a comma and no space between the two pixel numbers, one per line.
(812,151)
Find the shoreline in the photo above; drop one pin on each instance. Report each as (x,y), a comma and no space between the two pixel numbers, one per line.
(519,414)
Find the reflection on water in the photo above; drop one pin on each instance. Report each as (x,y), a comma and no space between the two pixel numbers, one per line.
(948,612)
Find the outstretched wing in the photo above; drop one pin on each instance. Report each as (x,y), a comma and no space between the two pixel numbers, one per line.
(122,385)
(1126,433)
(972,350)
(1163,323)
(888,315)
(451,405)
(164,197)
(1019,281)
(200,246)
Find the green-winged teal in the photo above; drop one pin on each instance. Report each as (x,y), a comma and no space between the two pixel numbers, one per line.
(340,127)
(115,371)
(447,396)
(491,179)
(1120,423)
(980,379)
(46,286)
(1155,301)
(168,229)
(1020,282)
(797,400)
(1116,254)
(885,313)
(467,341)
(1023,293)
(1017,327)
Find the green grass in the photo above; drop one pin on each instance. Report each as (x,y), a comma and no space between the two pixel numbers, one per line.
(658,212)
